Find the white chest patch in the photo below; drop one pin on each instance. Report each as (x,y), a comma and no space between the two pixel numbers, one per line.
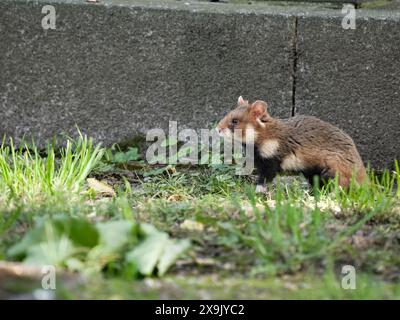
(292,162)
(250,134)
(269,148)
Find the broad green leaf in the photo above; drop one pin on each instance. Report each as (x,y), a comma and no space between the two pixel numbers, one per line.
(74,264)
(50,253)
(172,251)
(120,157)
(79,231)
(146,255)
(80,246)
(31,238)
(147,229)
(114,235)
(132,154)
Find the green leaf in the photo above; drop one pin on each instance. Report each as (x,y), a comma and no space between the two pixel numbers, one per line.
(50,253)
(120,157)
(79,231)
(172,251)
(157,250)
(123,157)
(146,255)
(132,154)
(76,244)
(147,229)
(74,264)
(114,235)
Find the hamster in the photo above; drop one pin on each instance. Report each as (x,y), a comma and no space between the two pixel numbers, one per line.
(300,144)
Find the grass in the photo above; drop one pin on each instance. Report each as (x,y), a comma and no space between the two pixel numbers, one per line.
(289,243)
(26,176)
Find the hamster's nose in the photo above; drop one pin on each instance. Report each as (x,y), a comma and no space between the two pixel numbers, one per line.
(219,131)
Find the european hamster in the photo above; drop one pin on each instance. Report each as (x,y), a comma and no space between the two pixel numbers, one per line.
(300,144)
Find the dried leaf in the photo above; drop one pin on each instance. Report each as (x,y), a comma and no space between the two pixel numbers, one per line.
(192,225)
(100,187)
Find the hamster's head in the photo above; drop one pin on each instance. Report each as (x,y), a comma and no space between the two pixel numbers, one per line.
(244,123)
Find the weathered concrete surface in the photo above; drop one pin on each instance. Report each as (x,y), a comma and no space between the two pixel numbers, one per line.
(352,79)
(119,68)
(123,68)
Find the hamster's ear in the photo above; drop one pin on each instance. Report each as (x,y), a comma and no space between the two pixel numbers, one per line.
(259,110)
(242,102)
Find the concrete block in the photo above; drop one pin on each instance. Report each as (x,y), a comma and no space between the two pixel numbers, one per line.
(352,79)
(120,68)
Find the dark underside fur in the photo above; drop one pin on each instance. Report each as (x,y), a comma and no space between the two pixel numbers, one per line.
(268,168)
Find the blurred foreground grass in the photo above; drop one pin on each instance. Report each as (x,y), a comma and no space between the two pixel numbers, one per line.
(116,227)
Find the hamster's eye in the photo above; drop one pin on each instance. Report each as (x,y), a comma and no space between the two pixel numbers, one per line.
(235,121)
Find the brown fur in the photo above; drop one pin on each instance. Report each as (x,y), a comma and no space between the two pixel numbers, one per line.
(305,143)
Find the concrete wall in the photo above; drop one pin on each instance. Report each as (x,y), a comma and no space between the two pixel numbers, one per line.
(352,79)
(119,68)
